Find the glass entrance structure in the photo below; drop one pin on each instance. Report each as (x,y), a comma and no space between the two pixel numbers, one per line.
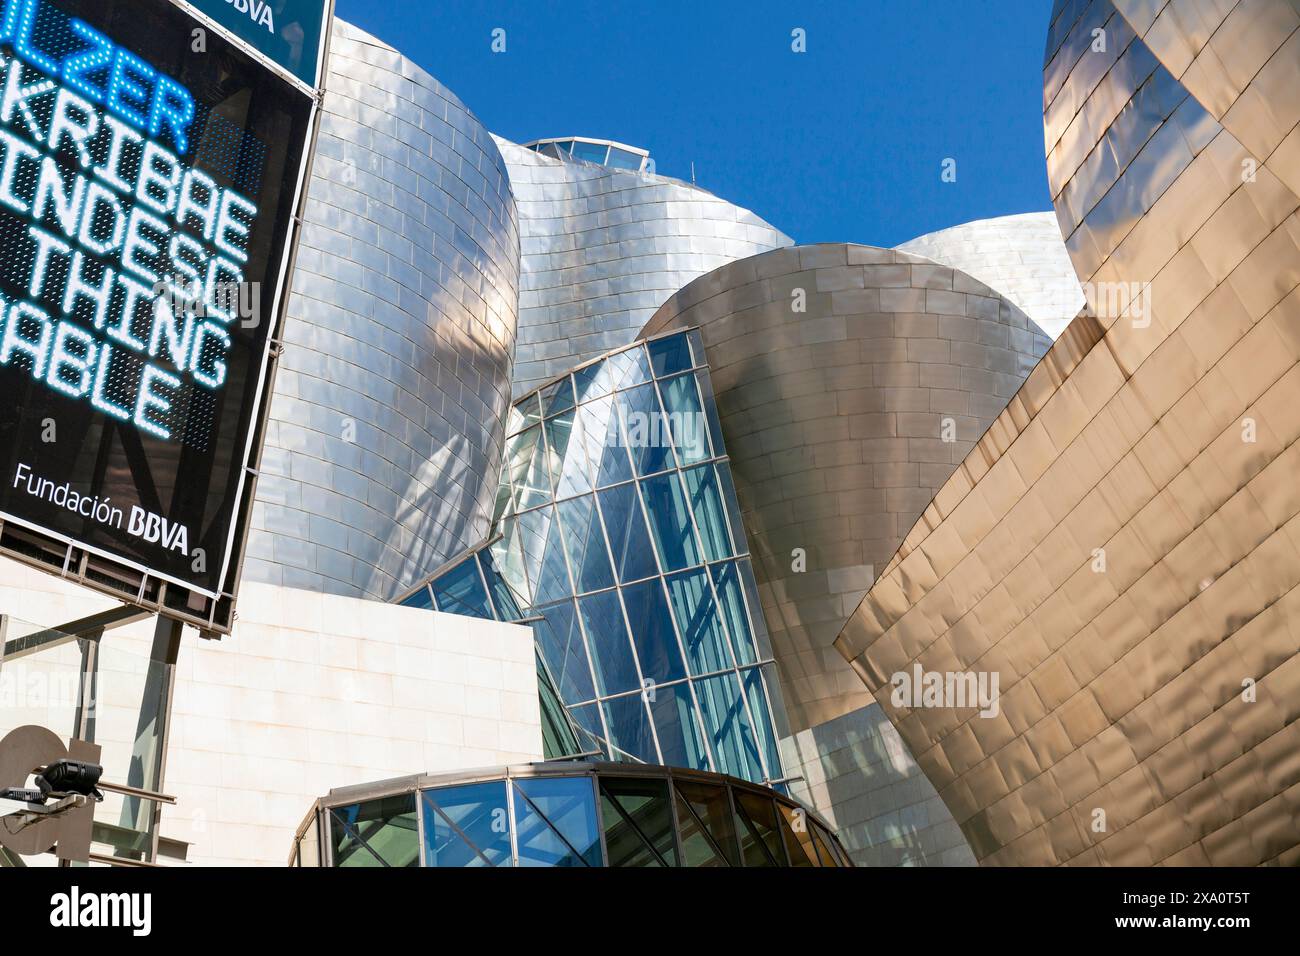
(565,815)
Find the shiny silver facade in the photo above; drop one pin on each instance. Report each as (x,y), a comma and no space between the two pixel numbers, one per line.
(1022,257)
(388,417)
(603,248)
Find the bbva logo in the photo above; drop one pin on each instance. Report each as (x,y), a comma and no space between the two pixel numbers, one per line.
(259,11)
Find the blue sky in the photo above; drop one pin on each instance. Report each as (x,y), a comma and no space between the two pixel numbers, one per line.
(842,143)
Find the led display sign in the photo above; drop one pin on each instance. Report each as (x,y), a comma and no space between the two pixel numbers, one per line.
(148,184)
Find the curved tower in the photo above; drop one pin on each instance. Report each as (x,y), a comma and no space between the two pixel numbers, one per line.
(603,247)
(388,417)
(1123,548)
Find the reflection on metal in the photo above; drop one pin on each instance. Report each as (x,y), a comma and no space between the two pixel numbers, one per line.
(1021,257)
(602,248)
(1123,546)
(385,434)
(850,383)
(597,815)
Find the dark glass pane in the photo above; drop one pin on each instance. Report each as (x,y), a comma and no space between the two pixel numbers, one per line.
(697,619)
(507,603)
(706,503)
(727,724)
(543,550)
(643,428)
(586,544)
(560,642)
(708,830)
(727,581)
(795,832)
(670,521)
(760,835)
(690,432)
(467,825)
(629,729)
(607,637)
(638,819)
(557,397)
(652,632)
(591,732)
(420,598)
(628,539)
(376,833)
(752,681)
(822,841)
(559,736)
(670,355)
(677,725)
(460,591)
(555,822)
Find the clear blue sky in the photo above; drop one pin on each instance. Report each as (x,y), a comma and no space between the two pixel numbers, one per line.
(841,143)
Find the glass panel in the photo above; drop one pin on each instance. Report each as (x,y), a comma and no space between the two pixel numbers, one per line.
(678,728)
(706,503)
(762,642)
(558,638)
(628,539)
(727,724)
(638,819)
(669,355)
(708,831)
(600,442)
(508,557)
(643,429)
(420,598)
(527,466)
(566,462)
(705,382)
(460,591)
(529,410)
(622,159)
(794,830)
(467,825)
(376,833)
(697,619)
(623,370)
(732,506)
(652,632)
(591,730)
(727,581)
(555,822)
(591,152)
(697,347)
(629,729)
(543,555)
(602,616)
(556,397)
(671,522)
(559,736)
(757,694)
(686,419)
(585,543)
(507,603)
(760,836)
(822,841)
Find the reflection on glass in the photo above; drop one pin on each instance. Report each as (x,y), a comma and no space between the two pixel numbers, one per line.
(757,694)
(460,591)
(678,728)
(638,821)
(420,598)
(607,637)
(822,841)
(726,580)
(652,632)
(377,833)
(795,832)
(539,536)
(643,427)
(727,725)
(685,418)
(706,503)
(555,822)
(560,642)
(585,544)
(708,832)
(760,835)
(628,539)
(629,728)
(507,604)
(669,355)
(467,825)
(697,619)
(670,521)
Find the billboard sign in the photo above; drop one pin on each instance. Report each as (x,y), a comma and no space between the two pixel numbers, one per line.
(289,33)
(148,191)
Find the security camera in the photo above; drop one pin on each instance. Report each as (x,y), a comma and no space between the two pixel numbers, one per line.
(70,777)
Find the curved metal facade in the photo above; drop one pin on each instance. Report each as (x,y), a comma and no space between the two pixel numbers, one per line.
(1022,257)
(1123,549)
(603,248)
(842,420)
(388,417)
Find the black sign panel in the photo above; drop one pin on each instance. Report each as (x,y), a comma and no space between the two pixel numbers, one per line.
(149,174)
